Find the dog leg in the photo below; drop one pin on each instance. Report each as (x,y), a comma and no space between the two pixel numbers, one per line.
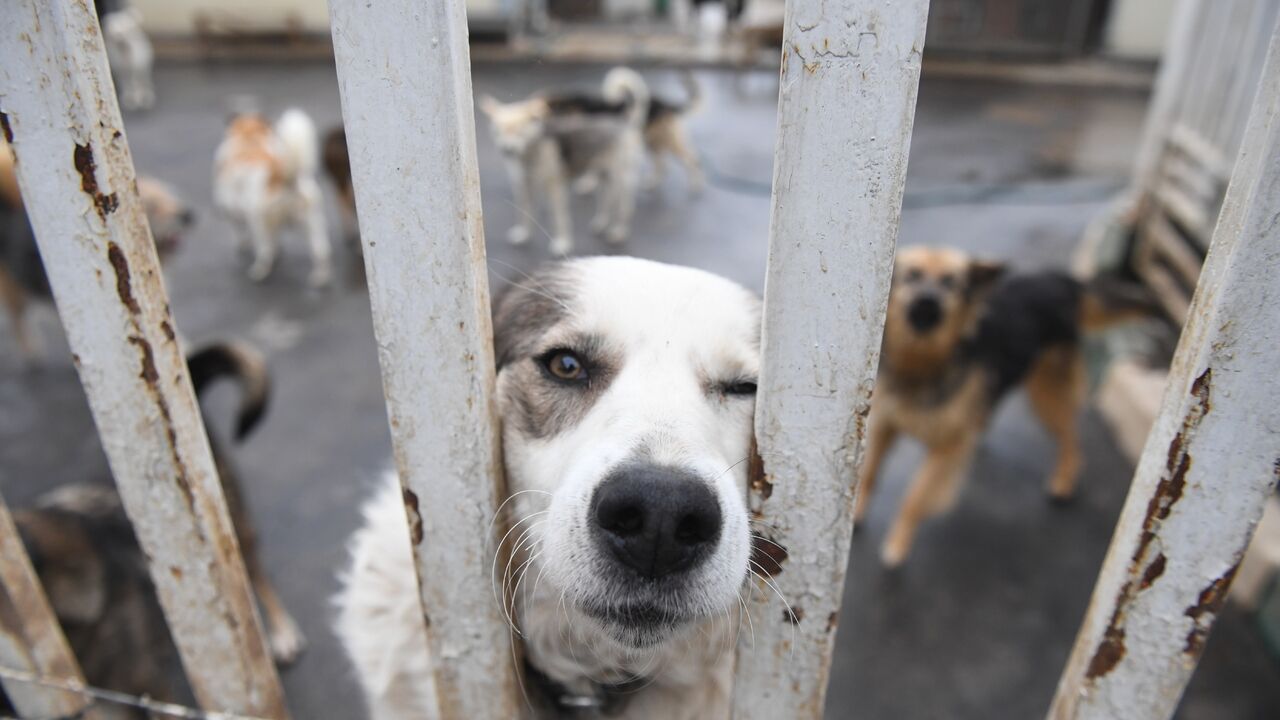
(683,149)
(1056,391)
(623,201)
(561,221)
(659,174)
(881,438)
(264,247)
(520,233)
(15,305)
(317,234)
(936,480)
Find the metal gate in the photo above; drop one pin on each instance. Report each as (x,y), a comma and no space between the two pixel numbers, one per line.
(849,79)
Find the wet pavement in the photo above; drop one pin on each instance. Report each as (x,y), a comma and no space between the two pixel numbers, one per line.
(980,621)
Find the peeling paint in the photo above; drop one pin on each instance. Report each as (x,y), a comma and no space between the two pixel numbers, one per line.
(124,282)
(1206,609)
(82,158)
(8,131)
(415,518)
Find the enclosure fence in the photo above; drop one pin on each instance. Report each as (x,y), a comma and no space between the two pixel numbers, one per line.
(849,76)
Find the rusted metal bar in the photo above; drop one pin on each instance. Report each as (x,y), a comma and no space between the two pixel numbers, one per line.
(404,76)
(30,638)
(77,180)
(1210,462)
(850,71)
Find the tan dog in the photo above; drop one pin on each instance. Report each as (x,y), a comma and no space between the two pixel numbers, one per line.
(265,179)
(958,337)
(22,277)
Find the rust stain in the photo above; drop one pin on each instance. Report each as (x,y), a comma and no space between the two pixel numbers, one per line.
(1167,493)
(1153,572)
(759,482)
(151,378)
(1206,609)
(82,157)
(168,330)
(793,615)
(8,131)
(176,572)
(833,620)
(415,519)
(767,556)
(124,281)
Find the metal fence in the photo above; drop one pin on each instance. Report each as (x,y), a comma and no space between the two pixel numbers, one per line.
(850,72)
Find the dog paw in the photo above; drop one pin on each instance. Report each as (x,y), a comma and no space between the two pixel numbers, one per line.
(287,643)
(615,235)
(259,271)
(518,235)
(892,555)
(561,246)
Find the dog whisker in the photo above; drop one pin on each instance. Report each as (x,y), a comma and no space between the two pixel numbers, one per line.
(790,611)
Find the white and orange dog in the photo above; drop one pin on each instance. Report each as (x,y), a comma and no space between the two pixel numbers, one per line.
(626,390)
(265,179)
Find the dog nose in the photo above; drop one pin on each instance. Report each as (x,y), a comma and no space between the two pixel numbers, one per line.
(187,218)
(924,313)
(656,520)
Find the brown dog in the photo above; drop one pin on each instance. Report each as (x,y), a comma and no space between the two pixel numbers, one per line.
(958,336)
(95,574)
(22,277)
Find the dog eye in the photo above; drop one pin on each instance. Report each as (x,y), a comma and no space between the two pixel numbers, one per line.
(565,365)
(947,281)
(739,387)
(914,275)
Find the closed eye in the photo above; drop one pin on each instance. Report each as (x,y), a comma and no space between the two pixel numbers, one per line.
(742,387)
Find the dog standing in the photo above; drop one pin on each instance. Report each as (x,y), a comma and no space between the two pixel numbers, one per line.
(22,276)
(548,143)
(95,574)
(958,336)
(129,53)
(265,178)
(626,390)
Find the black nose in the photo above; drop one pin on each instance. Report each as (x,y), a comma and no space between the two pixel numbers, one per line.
(924,313)
(655,520)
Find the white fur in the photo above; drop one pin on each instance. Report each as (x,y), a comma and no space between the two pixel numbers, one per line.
(130,55)
(678,331)
(259,211)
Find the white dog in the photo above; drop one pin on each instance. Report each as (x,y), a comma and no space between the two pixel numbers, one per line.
(626,390)
(265,179)
(130,55)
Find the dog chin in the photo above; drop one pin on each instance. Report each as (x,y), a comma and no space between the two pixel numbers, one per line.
(636,624)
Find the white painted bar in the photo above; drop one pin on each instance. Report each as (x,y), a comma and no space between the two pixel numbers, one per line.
(77,179)
(404,74)
(1176,66)
(850,71)
(1210,462)
(30,638)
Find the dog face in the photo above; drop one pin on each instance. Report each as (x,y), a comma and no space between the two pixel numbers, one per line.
(167,214)
(935,294)
(514,126)
(626,390)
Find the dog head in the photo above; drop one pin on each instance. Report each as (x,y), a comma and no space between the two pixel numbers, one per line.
(935,297)
(626,390)
(515,126)
(167,214)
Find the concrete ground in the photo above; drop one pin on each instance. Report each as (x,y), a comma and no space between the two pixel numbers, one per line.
(977,625)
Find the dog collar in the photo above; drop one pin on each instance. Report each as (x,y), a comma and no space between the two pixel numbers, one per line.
(600,699)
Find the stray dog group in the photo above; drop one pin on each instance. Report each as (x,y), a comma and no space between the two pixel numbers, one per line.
(550,142)
(959,335)
(626,391)
(95,575)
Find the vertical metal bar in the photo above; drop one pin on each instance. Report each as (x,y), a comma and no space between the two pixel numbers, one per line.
(1209,464)
(77,180)
(30,638)
(850,72)
(404,76)
(1175,67)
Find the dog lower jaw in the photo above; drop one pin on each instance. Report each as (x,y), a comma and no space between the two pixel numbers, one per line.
(637,626)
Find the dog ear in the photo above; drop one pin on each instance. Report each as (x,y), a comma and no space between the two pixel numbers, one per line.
(488,105)
(983,274)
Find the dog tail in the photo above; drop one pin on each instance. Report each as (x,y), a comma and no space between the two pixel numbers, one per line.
(624,85)
(237,360)
(297,135)
(1110,300)
(693,93)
